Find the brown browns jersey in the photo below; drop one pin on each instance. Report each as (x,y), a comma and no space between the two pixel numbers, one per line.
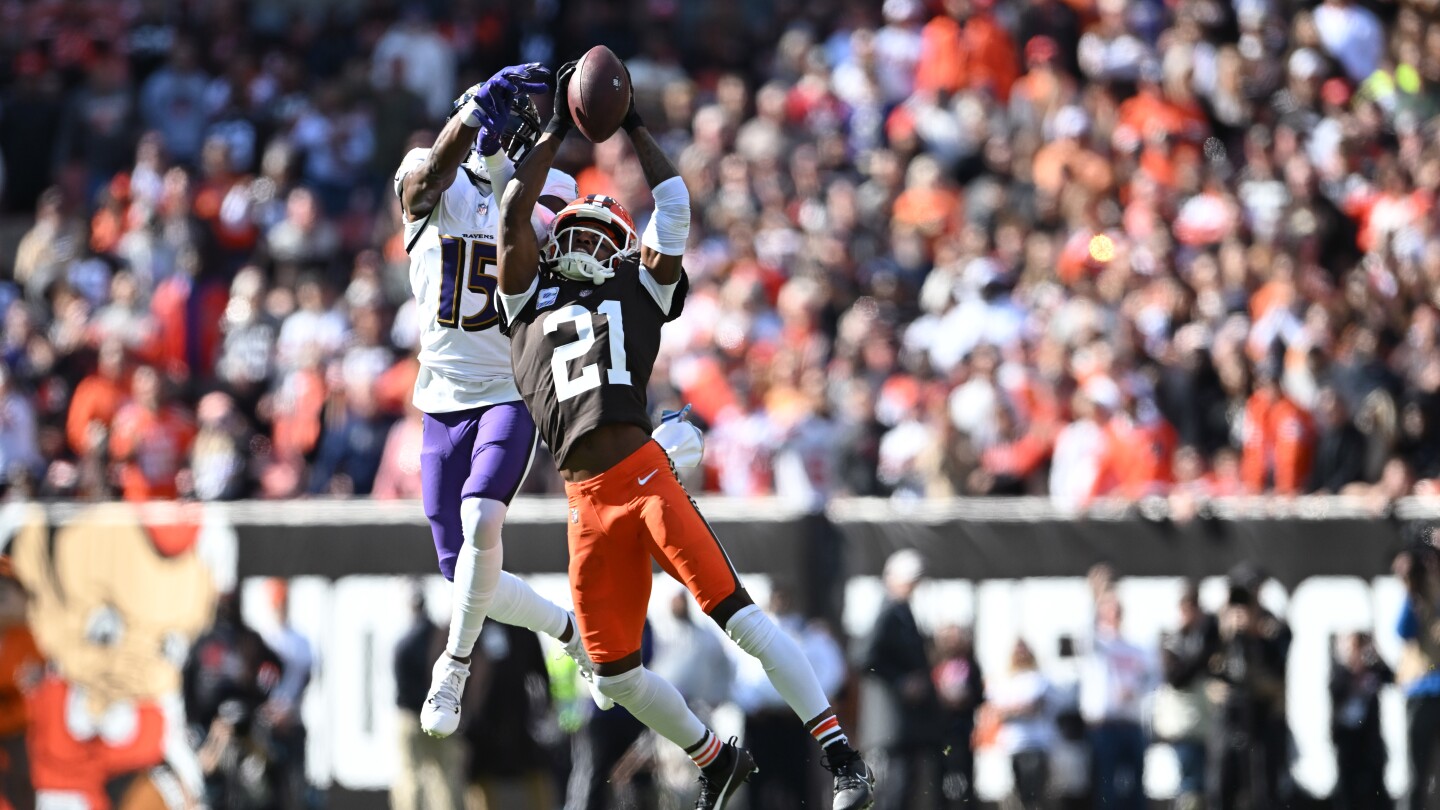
(583,353)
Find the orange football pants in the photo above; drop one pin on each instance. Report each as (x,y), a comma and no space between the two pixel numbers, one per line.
(620,520)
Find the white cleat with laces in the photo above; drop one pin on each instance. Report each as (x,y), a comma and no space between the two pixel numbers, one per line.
(576,650)
(440,715)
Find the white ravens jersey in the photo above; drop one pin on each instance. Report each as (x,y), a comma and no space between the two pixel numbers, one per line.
(464,358)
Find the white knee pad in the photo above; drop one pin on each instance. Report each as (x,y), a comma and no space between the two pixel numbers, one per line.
(752,630)
(626,688)
(481,519)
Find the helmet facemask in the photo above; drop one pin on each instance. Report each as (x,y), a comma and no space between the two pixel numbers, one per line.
(611,236)
(523,129)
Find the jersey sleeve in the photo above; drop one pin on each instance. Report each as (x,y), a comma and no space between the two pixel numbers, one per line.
(668,298)
(518,308)
(414,159)
(559,184)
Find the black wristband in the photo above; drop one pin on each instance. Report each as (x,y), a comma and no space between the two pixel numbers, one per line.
(632,121)
(558,127)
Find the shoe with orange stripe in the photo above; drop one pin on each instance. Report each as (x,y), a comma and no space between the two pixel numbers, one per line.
(720,779)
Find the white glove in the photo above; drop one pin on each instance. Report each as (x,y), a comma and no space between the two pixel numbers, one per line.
(682,441)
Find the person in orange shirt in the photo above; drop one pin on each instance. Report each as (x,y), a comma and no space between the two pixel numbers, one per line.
(1139,445)
(21,666)
(1067,159)
(966,49)
(151,441)
(1279,438)
(97,399)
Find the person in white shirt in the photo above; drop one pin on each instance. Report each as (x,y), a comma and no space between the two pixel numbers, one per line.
(1353,35)
(1115,679)
(1075,464)
(1027,730)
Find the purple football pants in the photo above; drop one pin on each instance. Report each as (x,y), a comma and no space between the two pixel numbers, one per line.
(479,453)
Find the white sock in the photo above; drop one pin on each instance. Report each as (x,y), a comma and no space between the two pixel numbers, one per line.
(790,672)
(656,703)
(477,572)
(517,604)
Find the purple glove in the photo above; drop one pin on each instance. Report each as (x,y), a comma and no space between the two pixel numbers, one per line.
(489,140)
(487,105)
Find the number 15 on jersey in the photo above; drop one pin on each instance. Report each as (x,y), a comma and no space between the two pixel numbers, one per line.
(471,263)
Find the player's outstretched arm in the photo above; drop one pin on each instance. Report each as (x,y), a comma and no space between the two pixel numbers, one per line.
(421,189)
(519,250)
(662,246)
(485,105)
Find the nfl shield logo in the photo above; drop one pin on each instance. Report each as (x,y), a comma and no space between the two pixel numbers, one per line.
(483,208)
(574,515)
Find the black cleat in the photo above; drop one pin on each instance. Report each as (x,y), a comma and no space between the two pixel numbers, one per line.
(719,782)
(854,784)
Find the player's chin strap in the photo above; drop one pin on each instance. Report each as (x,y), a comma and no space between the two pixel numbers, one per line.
(682,441)
(669,227)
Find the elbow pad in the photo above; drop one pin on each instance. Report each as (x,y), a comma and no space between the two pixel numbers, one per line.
(669,227)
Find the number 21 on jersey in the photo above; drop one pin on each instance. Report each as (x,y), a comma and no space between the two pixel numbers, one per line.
(618,373)
(470,262)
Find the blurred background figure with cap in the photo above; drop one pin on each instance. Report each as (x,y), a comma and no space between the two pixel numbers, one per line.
(899,706)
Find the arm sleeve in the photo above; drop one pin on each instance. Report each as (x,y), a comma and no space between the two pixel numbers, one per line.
(670,298)
(500,169)
(669,227)
(559,184)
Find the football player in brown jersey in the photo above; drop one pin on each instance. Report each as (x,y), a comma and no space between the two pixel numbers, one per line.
(584,316)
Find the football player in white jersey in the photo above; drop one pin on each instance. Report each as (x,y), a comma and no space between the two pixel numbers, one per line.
(479,438)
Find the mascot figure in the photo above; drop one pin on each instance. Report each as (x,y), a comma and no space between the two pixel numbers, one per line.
(117,595)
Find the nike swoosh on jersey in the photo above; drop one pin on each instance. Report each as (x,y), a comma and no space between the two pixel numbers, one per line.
(646,479)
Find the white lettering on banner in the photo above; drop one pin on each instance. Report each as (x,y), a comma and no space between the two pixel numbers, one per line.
(354,624)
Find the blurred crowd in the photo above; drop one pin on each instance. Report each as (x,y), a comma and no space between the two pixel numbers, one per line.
(1082,248)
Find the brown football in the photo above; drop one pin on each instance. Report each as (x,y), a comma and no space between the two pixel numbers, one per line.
(599,94)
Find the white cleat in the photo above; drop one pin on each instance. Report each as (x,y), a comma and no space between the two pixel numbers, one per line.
(440,715)
(576,650)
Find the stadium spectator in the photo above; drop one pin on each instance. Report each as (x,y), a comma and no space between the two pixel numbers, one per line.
(21,666)
(1340,451)
(1024,704)
(220,455)
(428,770)
(1116,677)
(172,101)
(226,680)
(1357,676)
(151,440)
(960,686)
(1182,709)
(1418,569)
(399,474)
(1249,735)
(281,710)
(899,705)
(1277,438)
